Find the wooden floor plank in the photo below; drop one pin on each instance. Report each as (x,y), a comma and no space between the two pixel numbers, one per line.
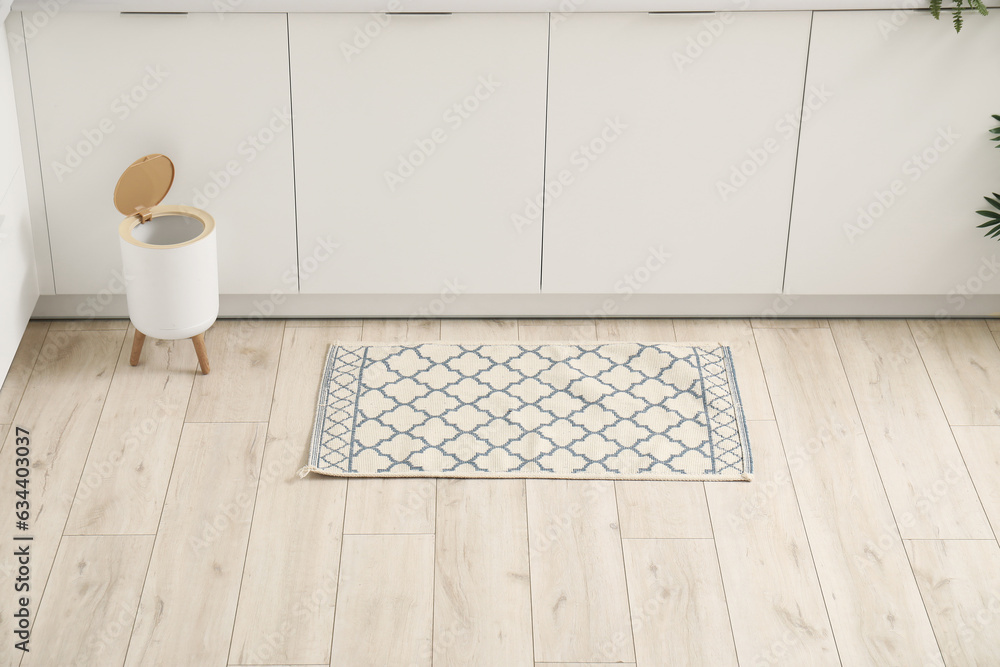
(874,606)
(323,323)
(478,331)
(775,602)
(401,331)
(980,447)
(189,599)
(993,323)
(789,323)
(960,584)
(679,614)
(550,331)
(86,615)
(60,409)
(926,481)
(279,608)
(16,380)
(390,505)
(385,602)
(482,596)
(125,479)
(287,595)
(95,324)
(659,510)
(963,361)
(580,608)
(738,335)
(636,330)
(244,357)
(383,505)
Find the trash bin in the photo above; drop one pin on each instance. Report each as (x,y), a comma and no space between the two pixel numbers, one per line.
(169,257)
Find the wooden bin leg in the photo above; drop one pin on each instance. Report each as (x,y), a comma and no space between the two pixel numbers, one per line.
(201,351)
(137,342)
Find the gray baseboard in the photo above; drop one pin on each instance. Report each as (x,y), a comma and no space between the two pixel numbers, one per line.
(450,305)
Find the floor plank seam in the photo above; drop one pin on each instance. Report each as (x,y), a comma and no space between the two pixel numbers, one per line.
(246,550)
(621,548)
(885,494)
(722,579)
(798,506)
(340,572)
(31,371)
(90,446)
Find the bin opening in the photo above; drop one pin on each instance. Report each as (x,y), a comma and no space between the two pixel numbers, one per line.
(168,230)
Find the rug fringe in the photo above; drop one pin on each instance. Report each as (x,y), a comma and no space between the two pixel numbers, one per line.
(305,470)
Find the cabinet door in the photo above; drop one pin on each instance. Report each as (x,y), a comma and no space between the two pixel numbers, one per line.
(417,137)
(893,168)
(671,150)
(210,94)
(18,282)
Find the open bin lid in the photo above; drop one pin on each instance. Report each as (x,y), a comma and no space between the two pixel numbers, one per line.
(144,184)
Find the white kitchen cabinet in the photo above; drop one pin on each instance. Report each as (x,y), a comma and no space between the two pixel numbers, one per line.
(416,139)
(893,168)
(209,91)
(671,151)
(18,280)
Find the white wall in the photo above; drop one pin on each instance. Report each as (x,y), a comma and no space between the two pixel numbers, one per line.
(18,281)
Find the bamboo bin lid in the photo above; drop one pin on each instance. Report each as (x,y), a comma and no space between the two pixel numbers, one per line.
(144,184)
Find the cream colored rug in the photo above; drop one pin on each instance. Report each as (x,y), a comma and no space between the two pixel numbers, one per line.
(592,411)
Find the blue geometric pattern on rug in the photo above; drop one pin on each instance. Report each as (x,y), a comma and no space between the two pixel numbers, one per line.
(601,410)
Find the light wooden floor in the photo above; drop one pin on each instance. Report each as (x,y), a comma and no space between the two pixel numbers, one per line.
(170,527)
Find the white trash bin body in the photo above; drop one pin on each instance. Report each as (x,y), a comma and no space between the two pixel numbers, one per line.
(169,255)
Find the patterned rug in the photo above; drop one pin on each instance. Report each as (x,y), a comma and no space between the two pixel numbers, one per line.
(591,411)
